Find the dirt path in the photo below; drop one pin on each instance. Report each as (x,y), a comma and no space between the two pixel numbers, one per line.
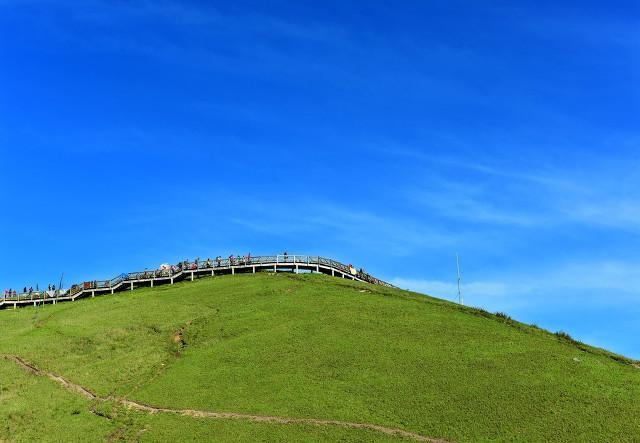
(57,378)
(218,415)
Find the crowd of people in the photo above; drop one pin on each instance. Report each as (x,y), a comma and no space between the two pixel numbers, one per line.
(233,260)
(239,260)
(166,270)
(12,292)
(236,260)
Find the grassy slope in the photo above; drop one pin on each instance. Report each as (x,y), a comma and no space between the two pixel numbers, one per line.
(37,409)
(309,346)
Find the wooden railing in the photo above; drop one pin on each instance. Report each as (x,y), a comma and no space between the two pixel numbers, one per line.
(194,266)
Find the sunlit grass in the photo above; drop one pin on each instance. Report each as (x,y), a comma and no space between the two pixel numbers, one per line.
(311,346)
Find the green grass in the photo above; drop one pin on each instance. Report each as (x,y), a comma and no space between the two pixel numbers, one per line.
(306,346)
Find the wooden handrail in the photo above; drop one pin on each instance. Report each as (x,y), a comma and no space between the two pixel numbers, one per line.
(198,265)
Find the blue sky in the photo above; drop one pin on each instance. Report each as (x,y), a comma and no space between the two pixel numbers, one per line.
(386,135)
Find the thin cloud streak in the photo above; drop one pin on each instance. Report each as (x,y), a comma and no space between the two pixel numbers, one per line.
(536,199)
(397,236)
(607,283)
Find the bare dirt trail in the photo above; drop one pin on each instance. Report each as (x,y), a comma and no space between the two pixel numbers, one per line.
(394,432)
(57,378)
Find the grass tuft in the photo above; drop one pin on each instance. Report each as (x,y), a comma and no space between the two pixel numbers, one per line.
(503,316)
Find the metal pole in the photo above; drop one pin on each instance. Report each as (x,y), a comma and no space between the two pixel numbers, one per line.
(460,299)
(60,285)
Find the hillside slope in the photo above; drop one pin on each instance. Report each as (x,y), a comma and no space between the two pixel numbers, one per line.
(303,346)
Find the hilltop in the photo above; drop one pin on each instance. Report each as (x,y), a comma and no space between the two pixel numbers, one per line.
(266,357)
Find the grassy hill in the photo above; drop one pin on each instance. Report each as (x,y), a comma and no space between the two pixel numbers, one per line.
(302,346)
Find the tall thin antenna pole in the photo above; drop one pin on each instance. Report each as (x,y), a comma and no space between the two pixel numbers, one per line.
(460,299)
(59,285)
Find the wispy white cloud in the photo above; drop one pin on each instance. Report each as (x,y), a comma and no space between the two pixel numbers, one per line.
(601,193)
(551,177)
(611,278)
(449,290)
(491,295)
(478,209)
(605,283)
(364,229)
(607,211)
(567,23)
(188,34)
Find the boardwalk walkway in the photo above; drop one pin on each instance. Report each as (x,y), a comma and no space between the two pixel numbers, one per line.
(189,271)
